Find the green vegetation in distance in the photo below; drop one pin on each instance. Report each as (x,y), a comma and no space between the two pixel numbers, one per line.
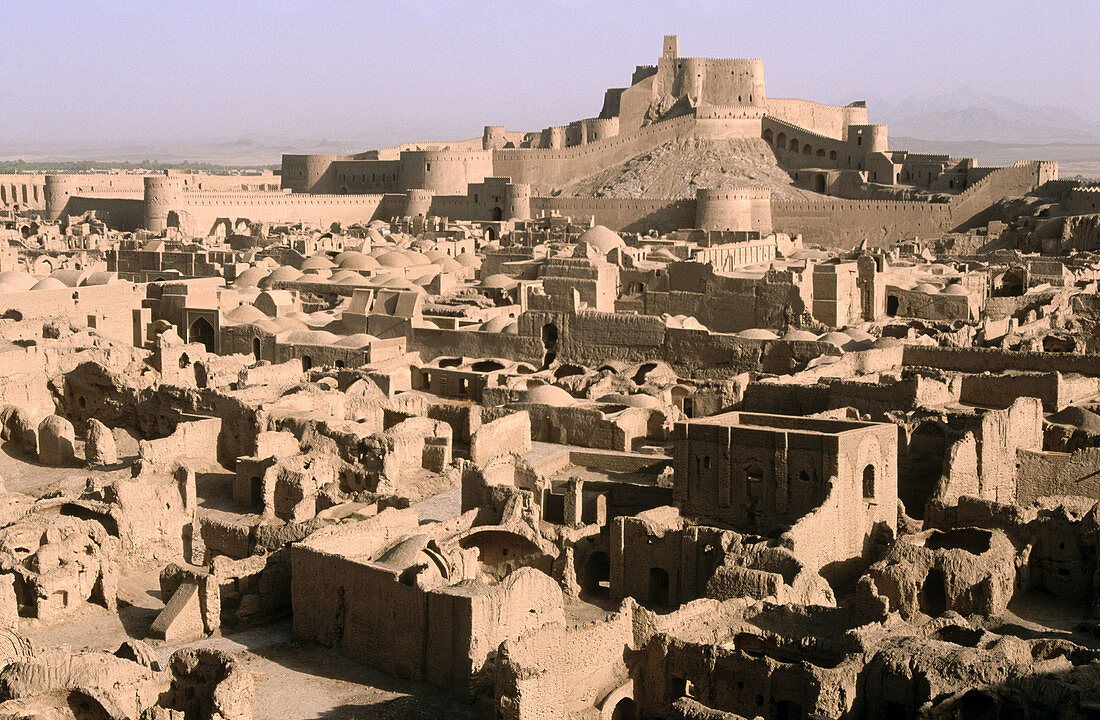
(83,166)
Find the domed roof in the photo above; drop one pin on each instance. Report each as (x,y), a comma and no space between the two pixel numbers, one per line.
(49,284)
(468,260)
(71,278)
(311,337)
(393,258)
(499,281)
(857,334)
(497,324)
(633,400)
(284,273)
(250,277)
(886,342)
(449,265)
(317,262)
(357,340)
(356,261)
(954,289)
(511,328)
(926,288)
(18,280)
(245,314)
(548,395)
(417,258)
(436,256)
(602,238)
(836,338)
(757,334)
(347,277)
(102,277)
(800,335)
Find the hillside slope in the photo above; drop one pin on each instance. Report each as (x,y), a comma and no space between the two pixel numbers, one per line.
(678,168)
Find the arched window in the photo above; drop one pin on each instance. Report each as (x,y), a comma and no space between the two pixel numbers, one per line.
(869,482)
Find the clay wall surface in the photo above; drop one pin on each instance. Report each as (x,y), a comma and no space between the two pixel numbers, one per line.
(980,360)
(201,210)
(545,169)
(24,189)
(622,214)
(555,667)
(1042,474)
(830,121)
(846,223)
(111,305)
(509,435)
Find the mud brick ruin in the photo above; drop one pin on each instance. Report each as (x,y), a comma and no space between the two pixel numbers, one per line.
(491,422)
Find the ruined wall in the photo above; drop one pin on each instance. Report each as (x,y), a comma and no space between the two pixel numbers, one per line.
(509,435)
(979,360)
(110,307)
(1042,474)
(556,667)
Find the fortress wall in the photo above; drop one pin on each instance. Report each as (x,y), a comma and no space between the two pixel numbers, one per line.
(711,81)
(24,189)
(969,207)
(828,120)
(628,214)
(445,171)
(199,211)
(120,211)
(846,223)
(554,168)
(309,173)
(1081,201)
(366,176)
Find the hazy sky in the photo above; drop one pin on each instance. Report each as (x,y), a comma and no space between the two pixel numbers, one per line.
(378,73)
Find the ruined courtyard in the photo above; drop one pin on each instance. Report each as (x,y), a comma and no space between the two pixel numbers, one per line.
(711,406)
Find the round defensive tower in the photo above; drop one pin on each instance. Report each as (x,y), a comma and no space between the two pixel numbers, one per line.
(493,138)
(308,173)
(554,137)
(162,196)
(517,201)
(418,201)
(58,190)
(743,208)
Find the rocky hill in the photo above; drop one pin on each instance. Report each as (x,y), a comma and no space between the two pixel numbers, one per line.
(676,169)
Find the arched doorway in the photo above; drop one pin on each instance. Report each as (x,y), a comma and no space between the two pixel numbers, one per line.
(625,709)
(201,331)
(597,574)
(892,305)
(819,183)
(498,214)
(256,348)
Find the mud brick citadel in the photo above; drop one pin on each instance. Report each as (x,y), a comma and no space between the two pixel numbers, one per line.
(711,406)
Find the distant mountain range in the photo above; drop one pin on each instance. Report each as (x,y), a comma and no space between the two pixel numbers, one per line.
(995,130)
(968,115)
